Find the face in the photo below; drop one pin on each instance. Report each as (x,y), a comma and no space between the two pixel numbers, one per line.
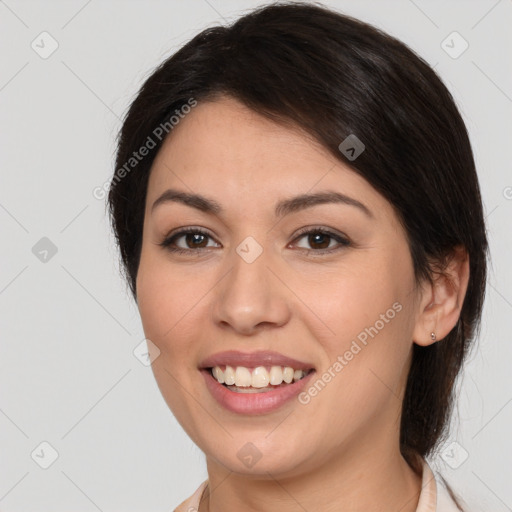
(327,282)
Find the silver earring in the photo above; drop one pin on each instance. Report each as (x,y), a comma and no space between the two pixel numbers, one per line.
(433,336)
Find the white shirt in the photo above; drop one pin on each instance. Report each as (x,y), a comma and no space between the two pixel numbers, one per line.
(434,497)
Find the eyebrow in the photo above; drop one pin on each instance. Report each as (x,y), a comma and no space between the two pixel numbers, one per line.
(283,207)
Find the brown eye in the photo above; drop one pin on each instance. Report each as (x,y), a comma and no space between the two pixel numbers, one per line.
(321,241)
(195,240)
(187,240)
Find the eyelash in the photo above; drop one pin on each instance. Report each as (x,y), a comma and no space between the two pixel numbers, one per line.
(344,242)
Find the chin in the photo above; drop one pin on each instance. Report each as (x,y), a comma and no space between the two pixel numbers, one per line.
(245,457)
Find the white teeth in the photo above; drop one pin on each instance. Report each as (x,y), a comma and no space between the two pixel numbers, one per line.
(229,375)
(276,375)
(258,377)
(242,377)
(218,374)
(288,374)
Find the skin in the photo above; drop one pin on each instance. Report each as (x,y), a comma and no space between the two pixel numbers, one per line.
(341,450)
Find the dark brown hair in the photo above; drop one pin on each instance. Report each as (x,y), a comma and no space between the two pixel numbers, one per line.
(333,75)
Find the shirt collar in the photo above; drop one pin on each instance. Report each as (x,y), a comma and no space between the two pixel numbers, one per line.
(428,496)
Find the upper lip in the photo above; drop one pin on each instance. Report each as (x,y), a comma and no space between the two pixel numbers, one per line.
(253,359)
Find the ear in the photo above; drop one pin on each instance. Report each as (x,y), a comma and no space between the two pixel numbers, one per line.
(441,302)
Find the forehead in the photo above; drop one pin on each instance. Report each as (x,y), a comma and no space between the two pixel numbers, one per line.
(225,150)
(224,133)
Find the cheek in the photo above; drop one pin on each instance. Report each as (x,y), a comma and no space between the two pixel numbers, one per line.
(364,328)
(348,299)
(171,304)
(158,300)
(169,308)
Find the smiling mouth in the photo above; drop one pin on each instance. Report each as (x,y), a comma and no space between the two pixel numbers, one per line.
(256,380)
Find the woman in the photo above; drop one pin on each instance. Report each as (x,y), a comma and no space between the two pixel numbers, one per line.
(300,223)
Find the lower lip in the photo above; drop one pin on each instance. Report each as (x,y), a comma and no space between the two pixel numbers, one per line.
(254,403)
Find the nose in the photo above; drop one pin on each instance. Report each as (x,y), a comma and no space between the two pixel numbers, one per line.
(250,297)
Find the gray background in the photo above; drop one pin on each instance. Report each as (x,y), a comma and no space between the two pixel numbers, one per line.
(68,374)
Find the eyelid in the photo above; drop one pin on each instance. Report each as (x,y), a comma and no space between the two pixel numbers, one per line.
(340,238)
(189,229)
(320,229)
(179,232)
